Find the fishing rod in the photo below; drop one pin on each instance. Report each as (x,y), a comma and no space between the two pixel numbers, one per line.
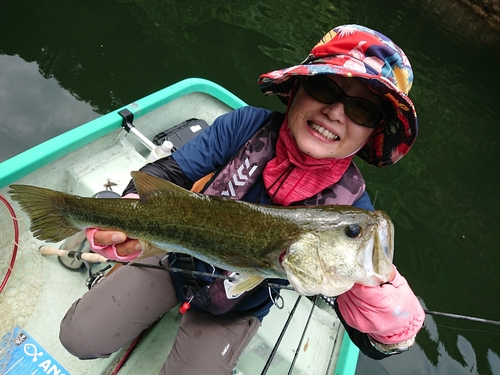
(280,338)
(96,258)
(455,316)
(299,344)
(330,301)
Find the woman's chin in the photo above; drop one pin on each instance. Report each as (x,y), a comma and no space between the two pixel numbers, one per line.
(317,152)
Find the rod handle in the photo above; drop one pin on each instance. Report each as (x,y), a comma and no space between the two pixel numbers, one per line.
(88,257)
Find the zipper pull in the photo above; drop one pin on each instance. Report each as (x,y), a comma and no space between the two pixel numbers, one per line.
(185,306)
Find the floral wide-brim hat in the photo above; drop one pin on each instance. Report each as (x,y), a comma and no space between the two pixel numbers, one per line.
(357,51)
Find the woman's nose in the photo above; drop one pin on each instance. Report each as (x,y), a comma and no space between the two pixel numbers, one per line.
(335,112)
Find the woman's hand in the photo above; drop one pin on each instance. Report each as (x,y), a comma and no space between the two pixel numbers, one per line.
(124,245)
(113,245)
(389,313)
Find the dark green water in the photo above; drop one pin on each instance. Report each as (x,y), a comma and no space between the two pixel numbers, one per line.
(65,62)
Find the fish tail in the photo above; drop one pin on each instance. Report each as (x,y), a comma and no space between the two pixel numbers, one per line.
(46,210)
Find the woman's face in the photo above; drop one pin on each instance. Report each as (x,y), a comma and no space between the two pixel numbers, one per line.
(324,130)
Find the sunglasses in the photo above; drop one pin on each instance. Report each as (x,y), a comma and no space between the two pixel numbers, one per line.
(362,111)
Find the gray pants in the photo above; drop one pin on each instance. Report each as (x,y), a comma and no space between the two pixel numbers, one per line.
(129,300)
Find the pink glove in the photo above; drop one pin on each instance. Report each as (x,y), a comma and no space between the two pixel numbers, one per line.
(108,251)
(389,313)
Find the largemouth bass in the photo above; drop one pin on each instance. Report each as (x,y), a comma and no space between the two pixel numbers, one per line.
(320,250)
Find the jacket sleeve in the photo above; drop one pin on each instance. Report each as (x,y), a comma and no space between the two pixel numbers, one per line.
(364,202)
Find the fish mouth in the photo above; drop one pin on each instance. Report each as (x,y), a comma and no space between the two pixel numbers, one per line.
(379,254)
(322,131)
(280,261)
(384,241)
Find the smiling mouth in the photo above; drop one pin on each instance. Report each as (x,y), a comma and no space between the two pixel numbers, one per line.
(325,133)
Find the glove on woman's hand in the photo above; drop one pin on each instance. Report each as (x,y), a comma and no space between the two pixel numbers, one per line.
(114,245)
(110,251)
(389,313)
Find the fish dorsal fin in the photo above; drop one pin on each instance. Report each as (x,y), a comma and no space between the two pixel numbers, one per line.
(148,185)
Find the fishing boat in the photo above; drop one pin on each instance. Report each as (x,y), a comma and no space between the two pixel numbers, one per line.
(303,337)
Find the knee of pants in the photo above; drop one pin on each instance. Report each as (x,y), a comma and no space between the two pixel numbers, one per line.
(78,349)
(116,310)
(72,340)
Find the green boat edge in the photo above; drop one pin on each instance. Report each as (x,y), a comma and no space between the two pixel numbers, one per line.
(52,149)
(38,156)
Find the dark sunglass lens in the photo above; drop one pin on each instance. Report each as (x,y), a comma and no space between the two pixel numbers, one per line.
(323,89)
(364,112)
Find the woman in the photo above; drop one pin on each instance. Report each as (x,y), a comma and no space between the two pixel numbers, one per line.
(349,97)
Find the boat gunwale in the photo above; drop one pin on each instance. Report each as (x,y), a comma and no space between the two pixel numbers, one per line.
(46,152)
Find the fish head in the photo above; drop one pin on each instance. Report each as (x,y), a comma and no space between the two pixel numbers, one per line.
(358,247)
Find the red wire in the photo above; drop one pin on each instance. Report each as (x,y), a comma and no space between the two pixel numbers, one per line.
(126,355)
(16,241)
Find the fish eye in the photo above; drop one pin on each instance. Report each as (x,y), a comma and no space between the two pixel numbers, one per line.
(353,231)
